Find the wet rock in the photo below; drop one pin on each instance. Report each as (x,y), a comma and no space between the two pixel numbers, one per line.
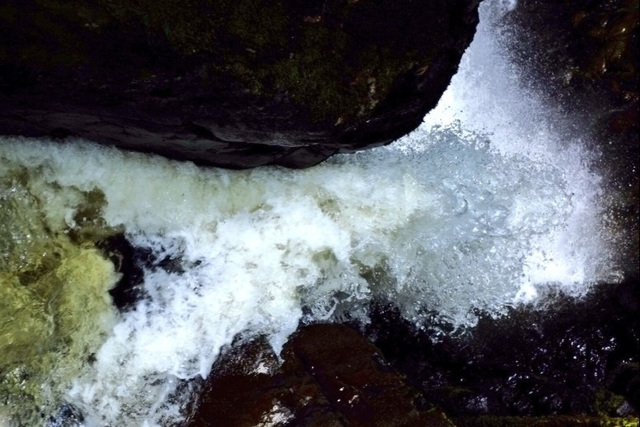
(357,380)
(571,361)
(625,381)
(236,84)
(131,262)
(126,261)
(577,46)
(330,376)
(248,387)
(570,356)
(67,416)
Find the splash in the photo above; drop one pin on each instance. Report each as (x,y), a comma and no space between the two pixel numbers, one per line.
(476,209)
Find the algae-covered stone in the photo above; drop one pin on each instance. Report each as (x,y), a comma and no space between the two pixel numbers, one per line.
(55,309)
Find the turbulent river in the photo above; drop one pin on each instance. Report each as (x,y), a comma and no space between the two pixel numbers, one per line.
(487,201)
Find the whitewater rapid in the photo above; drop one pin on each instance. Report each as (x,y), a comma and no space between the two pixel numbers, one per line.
(477,209)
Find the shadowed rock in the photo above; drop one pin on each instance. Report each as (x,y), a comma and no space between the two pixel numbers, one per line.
(577,356)
(236,84)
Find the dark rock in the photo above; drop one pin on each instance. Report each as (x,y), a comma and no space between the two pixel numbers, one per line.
(574,362)
(248,386)
(330,376)
(579,46)
(126,261)
(576,356)
(131,262)
(357,380)
(237,83)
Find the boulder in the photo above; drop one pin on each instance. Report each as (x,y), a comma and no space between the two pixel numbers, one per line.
(235,84)
(579,46)
(330,375)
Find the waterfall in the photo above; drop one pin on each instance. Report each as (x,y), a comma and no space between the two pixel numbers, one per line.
(477,209)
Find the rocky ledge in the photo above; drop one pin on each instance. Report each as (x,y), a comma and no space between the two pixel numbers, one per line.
(236,84)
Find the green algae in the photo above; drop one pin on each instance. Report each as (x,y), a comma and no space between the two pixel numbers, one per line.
(55,310)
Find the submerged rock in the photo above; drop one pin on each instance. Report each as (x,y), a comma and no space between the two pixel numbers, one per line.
(53,298)
(238,83)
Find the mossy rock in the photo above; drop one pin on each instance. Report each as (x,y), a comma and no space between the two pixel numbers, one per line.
(232,83)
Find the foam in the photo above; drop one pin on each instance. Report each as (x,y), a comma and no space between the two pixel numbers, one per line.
(453,227)
(476,209)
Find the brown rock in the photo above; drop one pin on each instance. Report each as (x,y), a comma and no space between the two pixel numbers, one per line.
(330,376)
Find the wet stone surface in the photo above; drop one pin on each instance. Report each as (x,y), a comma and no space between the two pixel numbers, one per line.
(576,356)
(234,84)
(330,376)
(574,362)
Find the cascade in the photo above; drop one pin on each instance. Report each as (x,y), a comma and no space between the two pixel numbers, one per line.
(477,209)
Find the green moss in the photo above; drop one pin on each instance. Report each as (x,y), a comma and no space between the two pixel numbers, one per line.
(90,226)
(606,402)
(311,75)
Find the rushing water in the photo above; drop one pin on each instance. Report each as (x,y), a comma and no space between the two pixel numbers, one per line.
(484,203)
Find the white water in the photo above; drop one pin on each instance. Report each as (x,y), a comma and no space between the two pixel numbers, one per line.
(476,209)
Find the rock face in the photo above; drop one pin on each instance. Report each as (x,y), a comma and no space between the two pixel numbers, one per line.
(580,46)
(239,83)
(558,367)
